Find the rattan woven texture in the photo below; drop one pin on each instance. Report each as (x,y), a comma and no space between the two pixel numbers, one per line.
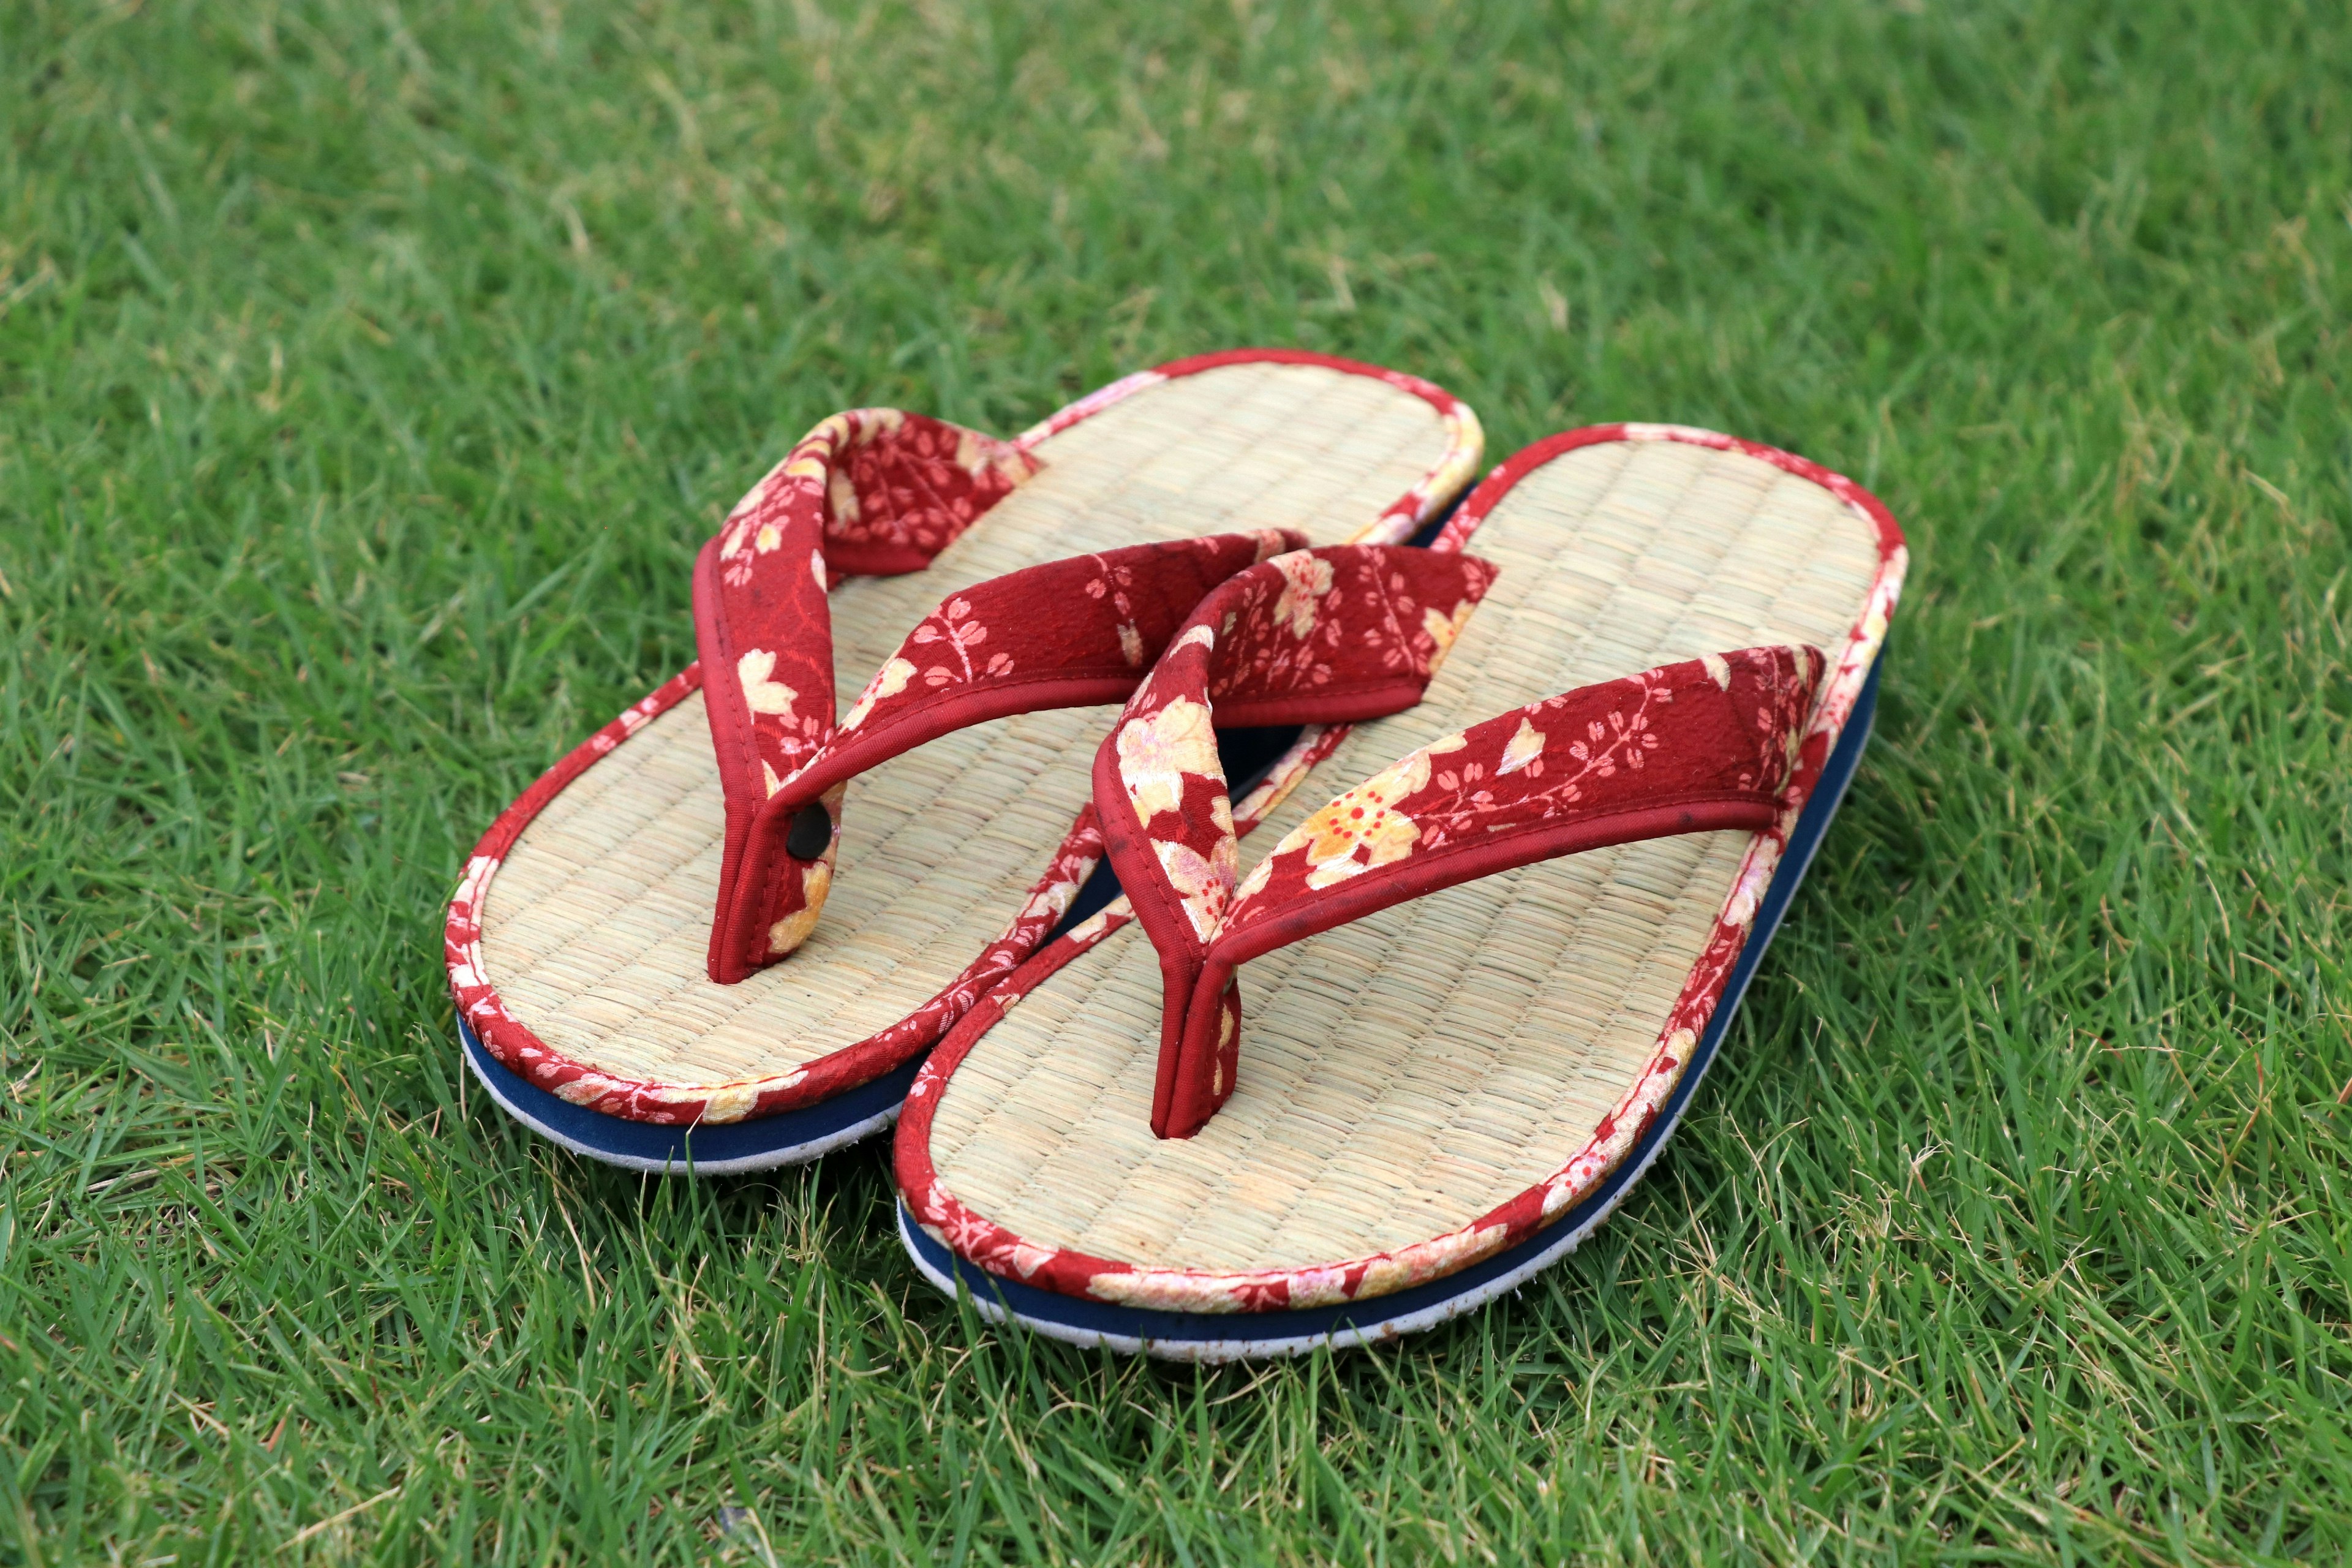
(597,923)
(1405,1074)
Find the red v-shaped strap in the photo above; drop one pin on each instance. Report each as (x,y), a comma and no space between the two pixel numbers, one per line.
(880,491)
(1317,637)
(1699,746)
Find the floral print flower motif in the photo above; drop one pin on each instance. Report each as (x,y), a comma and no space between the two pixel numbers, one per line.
(1523,750)
(1304,579)
(1269,633)
(1193,637)
(992,1247)
(811,458)
(1114,580)
(738,548)
(816,882)
(1362,818)
(633,717)
(871,490)
(872,477)
(954,625)
(1621,736)
(1156,751)
(463,937)
(888,681)
(1521,769)
(1365,818)
(968,1233)
(1163,751)
(1175,1290)
(1203,884)
(907,482)
(1410,1266)
(1443,629)
(841,495)
(806,883)
(757,526)
(1855,660)
(762,694)
(1754,879)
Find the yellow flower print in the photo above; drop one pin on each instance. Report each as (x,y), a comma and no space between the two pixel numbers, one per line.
(973,453)
(1359,819)
(816,881)
(842,496)
(745,532)
(983,457)
(1155,753)
(813,458)
(730,1102)
(1365,818)
(1444,628)
(1882,604)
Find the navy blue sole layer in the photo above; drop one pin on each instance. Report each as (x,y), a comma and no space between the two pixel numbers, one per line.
(1216,1336)
(718,1150)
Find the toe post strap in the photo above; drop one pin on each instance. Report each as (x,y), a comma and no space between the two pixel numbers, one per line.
(1708,745)
(1316,636)
(877,492)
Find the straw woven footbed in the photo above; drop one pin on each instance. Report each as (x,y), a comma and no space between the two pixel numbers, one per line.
(596,925)
(1404,1075)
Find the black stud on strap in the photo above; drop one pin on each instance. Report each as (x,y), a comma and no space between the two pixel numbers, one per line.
(811,832)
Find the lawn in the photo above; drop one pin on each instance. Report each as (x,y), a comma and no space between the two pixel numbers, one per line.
(370,371)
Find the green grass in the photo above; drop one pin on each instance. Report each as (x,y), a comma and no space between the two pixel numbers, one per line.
(369,370)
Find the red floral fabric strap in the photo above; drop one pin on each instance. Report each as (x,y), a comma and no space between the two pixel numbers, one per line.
(877,492)
(1316,636)
(1700,746)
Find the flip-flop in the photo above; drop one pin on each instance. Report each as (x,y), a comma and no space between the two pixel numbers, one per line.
(1476,990)
(613,944)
